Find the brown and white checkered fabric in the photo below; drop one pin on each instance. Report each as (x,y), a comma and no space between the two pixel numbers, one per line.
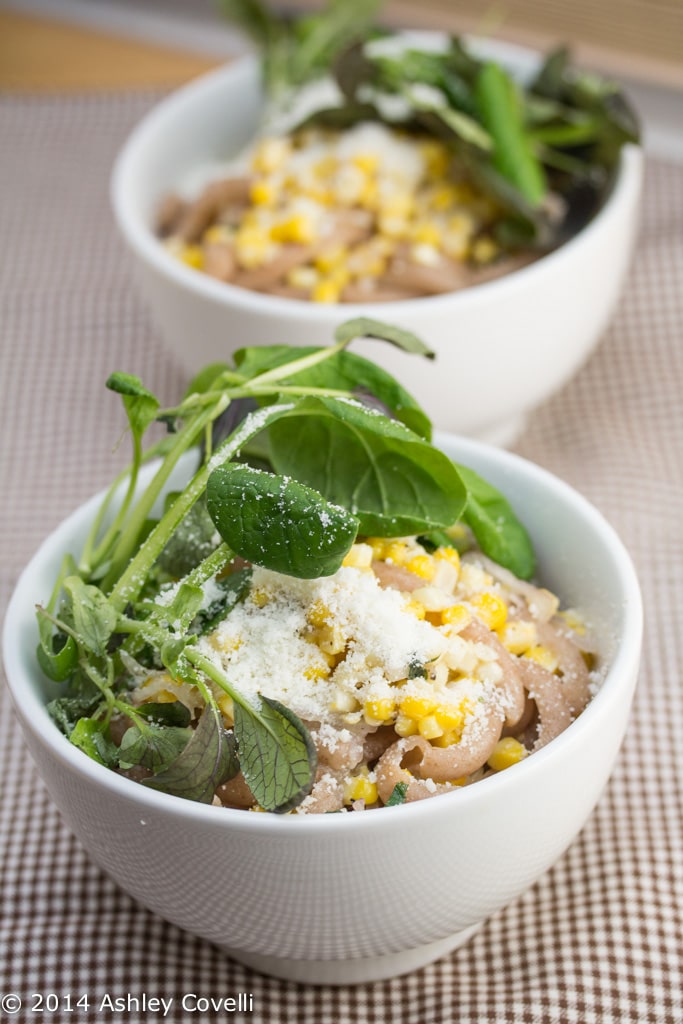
(598,940)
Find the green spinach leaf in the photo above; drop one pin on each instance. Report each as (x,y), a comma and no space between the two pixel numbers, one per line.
(92,736)
(278,523)
(390,478)
(497,529)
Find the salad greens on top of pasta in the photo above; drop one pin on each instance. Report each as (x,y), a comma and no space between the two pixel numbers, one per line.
(296,454)
(545,150)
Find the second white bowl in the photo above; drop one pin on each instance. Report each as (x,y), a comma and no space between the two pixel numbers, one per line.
(502,347)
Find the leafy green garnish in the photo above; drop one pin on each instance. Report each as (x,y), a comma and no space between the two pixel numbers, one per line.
(278,756)
(278,523)
(398,795)
(545,151)
(208,760)
(498,531)
(148,586)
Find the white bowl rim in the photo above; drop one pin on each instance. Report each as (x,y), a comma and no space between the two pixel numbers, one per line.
(142,240)
(33,710)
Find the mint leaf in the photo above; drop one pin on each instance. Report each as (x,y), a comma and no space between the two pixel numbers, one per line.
(207,761)
(94,618)
(153,746)
(277,755)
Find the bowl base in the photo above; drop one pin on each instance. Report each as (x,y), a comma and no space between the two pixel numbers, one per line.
(356,971)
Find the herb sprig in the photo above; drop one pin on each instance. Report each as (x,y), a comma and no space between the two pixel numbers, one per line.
(331,466)
(545,150)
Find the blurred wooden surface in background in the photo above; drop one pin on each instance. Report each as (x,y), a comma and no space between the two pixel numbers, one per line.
(639,39)
(37,54)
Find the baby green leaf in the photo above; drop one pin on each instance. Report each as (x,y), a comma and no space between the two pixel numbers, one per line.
(277,755)
(94,618)
(207,761)
(92,737)
(173,712)
(191,541)
(153,746)
(231,590)
(393,480)
(279,523)
(66,711)
(345,371)
(365,327)
(140,404)
(498,531)
(398,795)
(57,656)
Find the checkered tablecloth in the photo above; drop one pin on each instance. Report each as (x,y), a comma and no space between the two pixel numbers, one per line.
(598,940)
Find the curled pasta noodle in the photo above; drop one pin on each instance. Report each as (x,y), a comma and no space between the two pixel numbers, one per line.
(338,754)
(377,742)
(545,688)
(390,771)
(575,678)
(327,793)
(235,793)
(511,682)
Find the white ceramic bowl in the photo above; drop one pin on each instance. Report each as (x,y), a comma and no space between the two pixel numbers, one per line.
(502,347)
(350,898)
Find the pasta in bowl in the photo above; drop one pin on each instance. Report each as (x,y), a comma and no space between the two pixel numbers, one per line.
(273,889)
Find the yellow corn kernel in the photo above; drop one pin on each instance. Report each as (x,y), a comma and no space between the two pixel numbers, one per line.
(392,227)
(416,609)
(318,614)
(574,621)
(366,162)
(360,787)
(217,234)
(193,256)
(484,250)
(450,737)
(422,565)
(457,616)
(518,636)
(162,697)
(270,155)
(405,726)
(302,277)
(437,158)
(259,597)
(399,205)
(448,554)
(416,707)
(358,557)
(377,712)
(429,728)
(397,552)
(326,167)
(327,291)
(449,716)
(317,671)
(227,708)
(426,233)
(262,193)
(443,197)
(331,258)
(344,703)
(298,229)
(490,608)
(332,640)
(251,246)
(379,547)
(544,656)
(506,752)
